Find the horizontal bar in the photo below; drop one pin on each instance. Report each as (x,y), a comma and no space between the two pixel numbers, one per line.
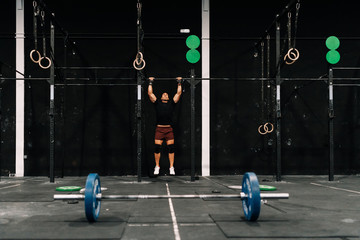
(260,79)
(248,79)
(153,36)
(189,196)
(95,84)
(346,68)
(346,85)
(98,79)
(187,78)
(38,79)
(93,68)
(349,79)
(213,79)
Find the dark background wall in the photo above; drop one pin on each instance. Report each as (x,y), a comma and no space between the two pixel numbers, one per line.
(96,125)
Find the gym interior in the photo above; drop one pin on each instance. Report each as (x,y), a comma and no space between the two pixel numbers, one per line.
(266,131)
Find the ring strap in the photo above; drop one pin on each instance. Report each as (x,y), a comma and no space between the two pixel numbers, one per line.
(36,14)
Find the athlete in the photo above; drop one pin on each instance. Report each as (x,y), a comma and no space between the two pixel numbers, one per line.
(164,113)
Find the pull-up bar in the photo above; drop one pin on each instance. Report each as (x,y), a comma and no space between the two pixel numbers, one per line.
(93,68)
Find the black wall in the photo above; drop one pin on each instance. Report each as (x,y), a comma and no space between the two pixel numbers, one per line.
(96,125)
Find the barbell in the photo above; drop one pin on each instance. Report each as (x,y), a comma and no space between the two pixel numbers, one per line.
(250,196)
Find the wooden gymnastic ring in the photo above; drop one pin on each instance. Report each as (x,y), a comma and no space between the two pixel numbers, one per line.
(259,130)
(287,56)
(45,67)
(139,68)
(297,54)
(272,127)
(31,56)
(141,58)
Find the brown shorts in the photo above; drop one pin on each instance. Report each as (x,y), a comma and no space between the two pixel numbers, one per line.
(164,133)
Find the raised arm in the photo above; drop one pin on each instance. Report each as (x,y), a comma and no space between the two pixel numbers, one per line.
(179,90)
(150,90)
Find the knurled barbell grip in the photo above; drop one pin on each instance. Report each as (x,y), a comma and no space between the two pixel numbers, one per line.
(189,196)
(99,196)
(241,195)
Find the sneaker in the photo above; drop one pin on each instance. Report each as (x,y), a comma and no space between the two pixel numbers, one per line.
(172,171)
(156,170)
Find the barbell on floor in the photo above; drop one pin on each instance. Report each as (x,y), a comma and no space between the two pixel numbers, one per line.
(250,196)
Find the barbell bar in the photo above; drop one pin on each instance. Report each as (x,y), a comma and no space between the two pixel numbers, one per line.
(99,196)
(250,196)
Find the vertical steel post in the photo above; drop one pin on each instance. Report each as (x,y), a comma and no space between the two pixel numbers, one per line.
(331,126)
(192,126)
(0,128)
(52,104)
(278,106)
(139,89)
(63,108)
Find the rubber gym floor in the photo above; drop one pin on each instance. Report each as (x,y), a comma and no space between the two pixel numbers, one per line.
(317,209)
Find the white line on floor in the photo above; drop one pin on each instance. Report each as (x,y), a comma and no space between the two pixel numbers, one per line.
(196,224)
(341,189)
(166,224)
(10,186)
(173,217)
(148,225)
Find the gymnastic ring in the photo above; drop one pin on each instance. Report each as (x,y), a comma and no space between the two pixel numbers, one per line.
(31,56)
(259,130)
(288,63)
(287,56)
(139,62)
(267,129)
(139,68)
(141,58)
(45,67)
(297,54)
